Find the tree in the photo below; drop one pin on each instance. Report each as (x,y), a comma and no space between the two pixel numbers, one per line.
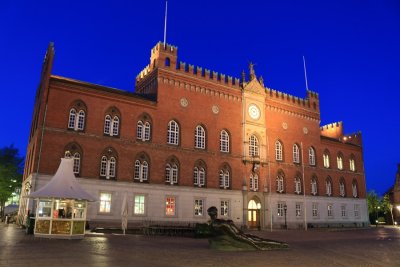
(11,165)
(387,206)
(373,205)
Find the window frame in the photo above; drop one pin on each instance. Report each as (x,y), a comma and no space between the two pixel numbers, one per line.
(103,208)
(254,146)
(296,154)
(200,137)
(173,133)
(278,151)
(224,139)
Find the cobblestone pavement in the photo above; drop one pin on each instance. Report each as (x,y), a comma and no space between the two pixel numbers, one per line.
(361,247)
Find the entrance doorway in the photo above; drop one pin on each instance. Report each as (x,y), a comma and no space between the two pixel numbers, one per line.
(253,216)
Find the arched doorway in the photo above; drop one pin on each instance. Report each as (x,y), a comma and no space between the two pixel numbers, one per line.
(254,208)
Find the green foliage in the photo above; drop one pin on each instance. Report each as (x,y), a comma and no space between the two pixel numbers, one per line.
(373,202)
(10,173)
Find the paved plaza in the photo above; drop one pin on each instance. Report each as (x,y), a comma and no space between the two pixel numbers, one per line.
(360,247)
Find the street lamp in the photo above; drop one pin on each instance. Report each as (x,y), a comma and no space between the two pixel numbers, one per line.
(285,210)
(377,212)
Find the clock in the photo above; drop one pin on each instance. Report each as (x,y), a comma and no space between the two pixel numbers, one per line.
(254,112)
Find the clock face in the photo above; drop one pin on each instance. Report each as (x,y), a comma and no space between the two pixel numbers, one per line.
(254,112)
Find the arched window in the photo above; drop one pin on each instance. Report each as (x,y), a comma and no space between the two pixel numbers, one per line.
(339,160)
(107,124)
(326,159)
(314,186)
(254,182)
(72,119)
(224,178)
(311,156)
(224,141)
(354,188)
(173,133)
(297,185)
(342,189)
(280,183)
(352,163)
(278,151)
(112,122)
(108,164)
(171,172)
(77,163)
(143,131)
(76,120)
(115,126)
(167,62)
(141,172)
(296,153)
(200,137)
(254,149)
(199,176)
(328,186)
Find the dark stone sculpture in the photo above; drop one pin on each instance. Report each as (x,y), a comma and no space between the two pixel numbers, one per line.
(226,236)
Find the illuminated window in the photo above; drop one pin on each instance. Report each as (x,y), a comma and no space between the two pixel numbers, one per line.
(280,183)
(171,173)
(297,185)
(224,178)
(170,206)
(343,210)
(326,159)
(354,189)
(105,203)
(315,209)
(328,186)
(111,125)
(296,153)
(224,209)
(254,182)
(200,137)
(173,133)
(143,131)
(311,156)
(141,173)
(278,151)
(198,207)
(352,164)
(339,160)
(224,141)
(199,176)
(342,189)
(139,206)
(330,210)
(254,149)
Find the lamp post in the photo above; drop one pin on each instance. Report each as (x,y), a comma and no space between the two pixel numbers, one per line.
(285,210)
(377,212)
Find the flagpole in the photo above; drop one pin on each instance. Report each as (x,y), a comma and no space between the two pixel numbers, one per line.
(305,72)
(165,23)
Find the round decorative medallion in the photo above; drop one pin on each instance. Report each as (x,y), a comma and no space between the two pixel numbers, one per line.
(284,125)
(305,130)
(215,109)
(254,112)
(184,102)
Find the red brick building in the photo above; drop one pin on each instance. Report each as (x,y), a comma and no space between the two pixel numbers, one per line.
(190,138)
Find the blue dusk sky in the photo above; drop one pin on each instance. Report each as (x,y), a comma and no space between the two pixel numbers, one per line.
(352,51)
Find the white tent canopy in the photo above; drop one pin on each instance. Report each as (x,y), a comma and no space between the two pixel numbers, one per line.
(63,184)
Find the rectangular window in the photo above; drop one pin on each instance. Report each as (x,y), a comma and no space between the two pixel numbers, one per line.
(105,203)
(44,208)
(330,210)
(298,209)
(281,208)
(170,205)
(356,210)
(314,209)
(343,210)
(198,207)
(224,208)
(139,206)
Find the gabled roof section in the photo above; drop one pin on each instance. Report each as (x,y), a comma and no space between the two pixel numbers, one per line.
(63,184)
(254,86)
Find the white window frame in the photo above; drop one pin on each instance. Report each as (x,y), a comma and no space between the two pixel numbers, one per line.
(326,160)
(352,164)
(354,189)
(199,176)
(328,187)
(200,137)
(278,151)
(173,133)
(296,154)
(254,147)
(199,207)
(171,173)
(224,179)
(108,167)
(314,208)
(299,210)
(224,141)
(280,209)
(80,123)
(314,187)
(343,210)
(329,208)
(254,182)
(139,204)
(141,170)
(297,185)
(77,163)
(111,125)
(339,160)
(342,189)
(311,156)
(224,208)
(280,185)
(72,119)
(356,210)
(105,202)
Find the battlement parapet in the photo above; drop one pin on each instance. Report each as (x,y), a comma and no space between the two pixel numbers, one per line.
(291,99)
(312,94)
(353,138)
(333,130)
(331,125)
(167,48)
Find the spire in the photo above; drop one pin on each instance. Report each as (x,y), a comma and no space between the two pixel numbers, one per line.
(261,80)
(252,73)
(243,77)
